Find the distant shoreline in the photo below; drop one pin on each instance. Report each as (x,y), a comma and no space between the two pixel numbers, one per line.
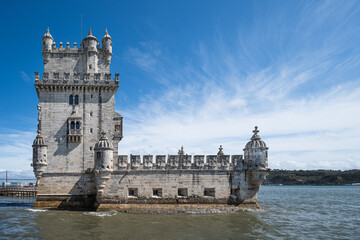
(313,178)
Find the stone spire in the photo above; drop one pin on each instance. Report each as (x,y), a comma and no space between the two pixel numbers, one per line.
(220,152)
(256,136)
(106,34)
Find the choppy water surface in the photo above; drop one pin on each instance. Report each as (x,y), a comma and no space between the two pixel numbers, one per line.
(288,213)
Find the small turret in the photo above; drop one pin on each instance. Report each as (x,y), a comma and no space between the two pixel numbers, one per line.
(256,151)
(47,40)
(103,163)
(39,155)
(90,42)
(104,154)
(106,42)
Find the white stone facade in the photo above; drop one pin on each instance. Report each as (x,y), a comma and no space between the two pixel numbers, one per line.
(76,157)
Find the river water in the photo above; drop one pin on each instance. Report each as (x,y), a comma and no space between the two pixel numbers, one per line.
(288,212)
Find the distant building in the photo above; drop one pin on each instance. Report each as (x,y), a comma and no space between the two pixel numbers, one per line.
(75,154)
(13,184)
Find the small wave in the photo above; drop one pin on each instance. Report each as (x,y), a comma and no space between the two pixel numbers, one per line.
(102,214)
(253,210)
(36,210)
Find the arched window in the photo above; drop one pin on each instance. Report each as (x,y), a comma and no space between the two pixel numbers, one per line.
(72,125)
(77,125)
(76,99)
(71,99)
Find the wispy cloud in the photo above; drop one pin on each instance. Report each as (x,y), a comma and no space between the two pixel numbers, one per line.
(15,148)
(25,76)
(307,106)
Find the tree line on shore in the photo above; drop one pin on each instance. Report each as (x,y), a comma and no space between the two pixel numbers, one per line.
(312,177)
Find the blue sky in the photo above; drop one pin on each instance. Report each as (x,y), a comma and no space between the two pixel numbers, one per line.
(201,74)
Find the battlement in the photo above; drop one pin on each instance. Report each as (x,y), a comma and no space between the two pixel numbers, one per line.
(185,162)
(61,48)
(89,58)
(66,77)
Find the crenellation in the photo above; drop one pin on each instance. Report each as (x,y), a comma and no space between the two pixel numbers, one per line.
(135,161)
(173,162)
(147,161)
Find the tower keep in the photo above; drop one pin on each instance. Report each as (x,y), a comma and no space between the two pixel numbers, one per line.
(76,104)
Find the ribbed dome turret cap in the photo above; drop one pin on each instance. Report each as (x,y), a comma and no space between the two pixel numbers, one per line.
(47,34)
(39,140)
(103,142)
(90,36)
(106,34)
(256,141)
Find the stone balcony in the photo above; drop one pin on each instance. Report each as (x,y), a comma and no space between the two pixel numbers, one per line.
(57,78)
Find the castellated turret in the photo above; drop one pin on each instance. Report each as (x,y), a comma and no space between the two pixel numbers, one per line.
(256,152)
(103,163)
(47,40)
(39,156)
(106,43)
(104,154)
(89,43)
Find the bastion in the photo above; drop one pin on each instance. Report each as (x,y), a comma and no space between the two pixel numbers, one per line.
(76,157)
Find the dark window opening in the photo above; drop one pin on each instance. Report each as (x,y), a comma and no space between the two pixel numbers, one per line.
(157,192)
(71,99)
(77,125)
(76,99)
(98,154)
(209,192)
(72,125)
(133,192)
(182,192)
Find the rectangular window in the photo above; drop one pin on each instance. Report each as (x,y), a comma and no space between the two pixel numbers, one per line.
(209,192)
(98,154)
(182,192)
(91,114)
(157,192)
(133,192)
(91,130)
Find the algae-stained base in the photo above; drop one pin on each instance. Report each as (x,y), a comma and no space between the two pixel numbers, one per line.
(47,204)
(176,208)
(150,208)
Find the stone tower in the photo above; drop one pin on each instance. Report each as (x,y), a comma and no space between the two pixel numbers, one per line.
(76,104)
